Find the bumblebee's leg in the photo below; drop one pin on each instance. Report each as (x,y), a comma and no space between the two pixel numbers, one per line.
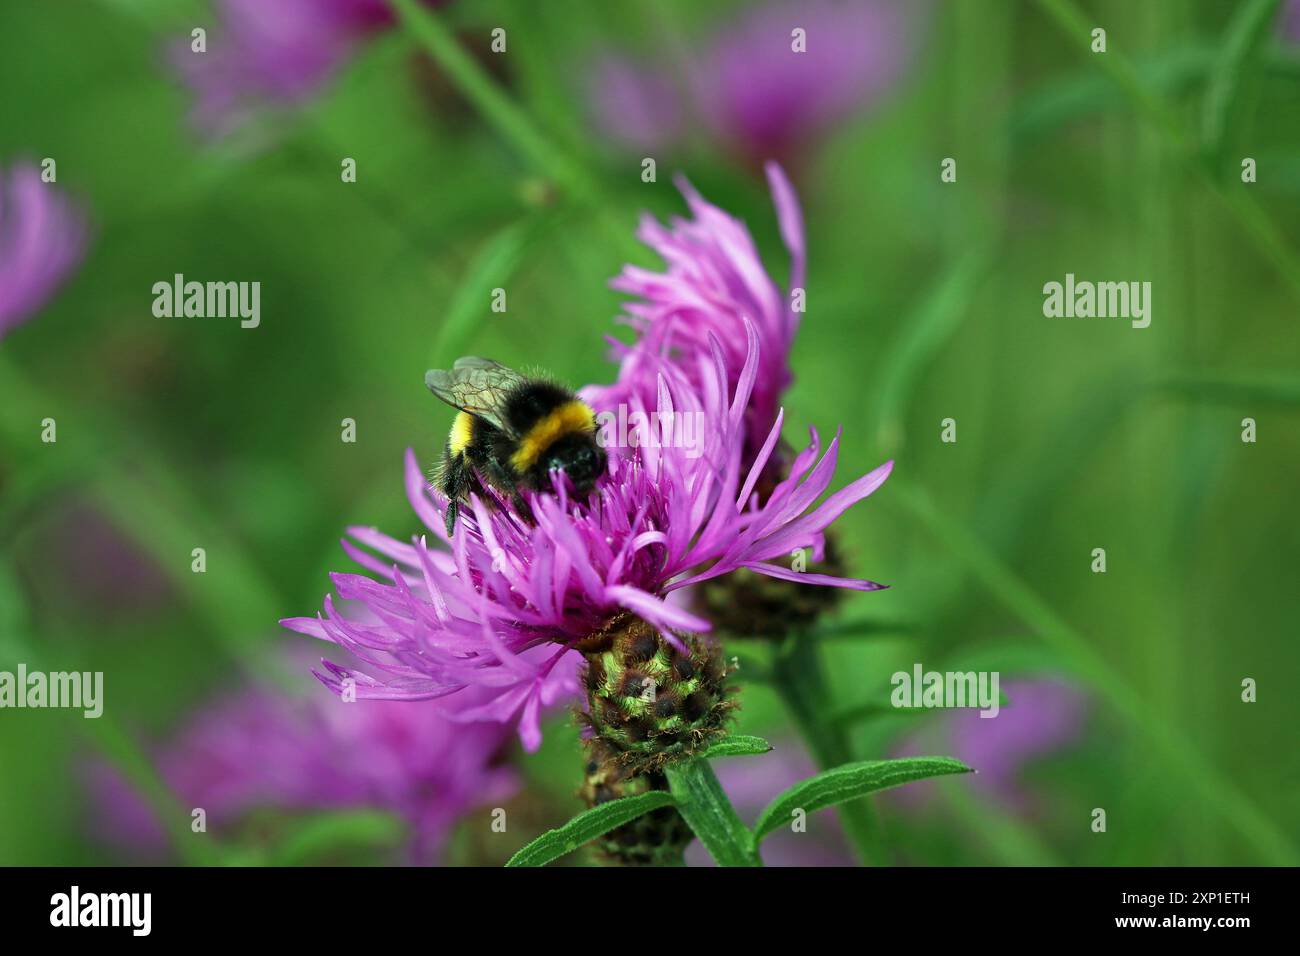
(455,481)
(508,485)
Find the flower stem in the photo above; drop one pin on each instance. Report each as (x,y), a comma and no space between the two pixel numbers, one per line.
(483,92)
(704,805)
(510,121)
(800,680)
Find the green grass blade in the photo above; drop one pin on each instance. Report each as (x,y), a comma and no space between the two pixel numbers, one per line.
(490,268)
(1044,109)
(1232,387)
(1250,216)
(1237,808)
(922,337)
(1236,67)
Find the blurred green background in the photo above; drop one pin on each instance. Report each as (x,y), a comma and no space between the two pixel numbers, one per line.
(925,302)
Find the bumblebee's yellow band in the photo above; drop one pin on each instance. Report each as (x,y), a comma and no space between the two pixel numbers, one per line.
(572,416)
(461,432)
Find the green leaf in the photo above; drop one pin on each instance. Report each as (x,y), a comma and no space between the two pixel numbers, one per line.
(850,782)
(737,745)
(588,825)
(704,805)
(1232,74)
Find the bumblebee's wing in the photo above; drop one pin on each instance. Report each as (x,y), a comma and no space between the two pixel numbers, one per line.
(478,386)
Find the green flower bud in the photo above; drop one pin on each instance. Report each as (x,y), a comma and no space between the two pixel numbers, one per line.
(745,603)
(647,700)
(657,838)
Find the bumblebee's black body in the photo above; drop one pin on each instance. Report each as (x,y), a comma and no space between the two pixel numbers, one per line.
(511,433)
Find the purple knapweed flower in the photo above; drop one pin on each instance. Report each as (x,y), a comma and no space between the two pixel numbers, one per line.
(272,54)
(762,90)
(257,750)
(1043,716)
(715,283)
(42,238)
(505,604)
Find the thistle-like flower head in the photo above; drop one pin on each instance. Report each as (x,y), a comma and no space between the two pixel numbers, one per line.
(507,603)
(713,287)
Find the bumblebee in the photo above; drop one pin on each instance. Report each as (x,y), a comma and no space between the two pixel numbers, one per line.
(511,433)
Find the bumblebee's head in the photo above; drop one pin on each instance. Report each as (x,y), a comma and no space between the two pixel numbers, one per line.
(580,458)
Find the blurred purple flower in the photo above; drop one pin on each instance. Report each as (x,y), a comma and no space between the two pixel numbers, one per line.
(100,567)
(1290,22)
(751,786)
(768,101)
(1042,716)
(634,104)
(42,237)
(752,90)
(255,750)
(272,54)
(715,283)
